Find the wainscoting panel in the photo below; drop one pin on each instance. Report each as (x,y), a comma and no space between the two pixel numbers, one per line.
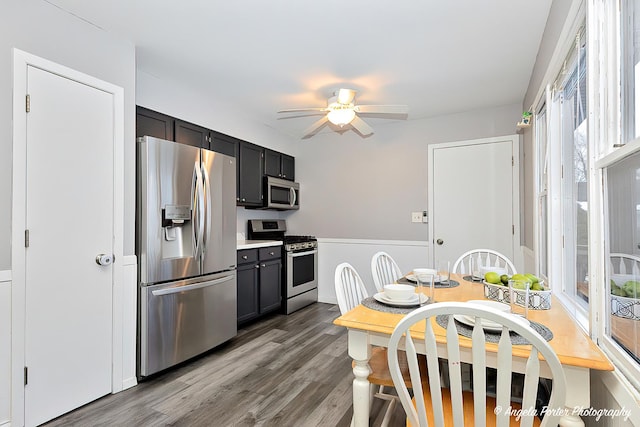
(358,253)
(5,348)
(611,392)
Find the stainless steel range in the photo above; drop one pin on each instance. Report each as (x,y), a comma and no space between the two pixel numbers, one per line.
(300,262)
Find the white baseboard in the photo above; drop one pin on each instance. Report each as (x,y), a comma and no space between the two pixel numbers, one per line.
(127,383)
(5,423)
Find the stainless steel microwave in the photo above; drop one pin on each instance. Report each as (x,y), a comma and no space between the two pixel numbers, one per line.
(281,194)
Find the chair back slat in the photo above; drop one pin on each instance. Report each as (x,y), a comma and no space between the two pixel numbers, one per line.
(350,290)
(479,358)
(384,270)
(455,376)
(482,257)
(530,391)
(503,379)
(433,368)
(417,415)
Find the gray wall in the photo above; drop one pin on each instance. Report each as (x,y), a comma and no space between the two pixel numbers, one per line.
(41,29)
(366,188)
(557,17)
(351,187)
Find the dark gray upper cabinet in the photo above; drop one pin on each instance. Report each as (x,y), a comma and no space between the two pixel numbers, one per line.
(253,161)
(279,165)
(288,167)
(250,172)
(190,134)
(154,124)
(224,144)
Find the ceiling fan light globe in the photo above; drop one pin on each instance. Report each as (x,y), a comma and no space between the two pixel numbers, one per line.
(341,117)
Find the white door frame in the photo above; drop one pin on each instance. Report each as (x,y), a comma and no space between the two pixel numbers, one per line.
(18,213)
(515,176)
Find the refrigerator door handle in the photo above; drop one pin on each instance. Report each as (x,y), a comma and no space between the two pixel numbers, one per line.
(198,202)
(177,289)
(206,184)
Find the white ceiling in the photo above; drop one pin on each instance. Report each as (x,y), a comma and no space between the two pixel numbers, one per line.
(259,56)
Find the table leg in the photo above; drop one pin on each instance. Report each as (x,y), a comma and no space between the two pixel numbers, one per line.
(360,352)
(570,420)
(578,395)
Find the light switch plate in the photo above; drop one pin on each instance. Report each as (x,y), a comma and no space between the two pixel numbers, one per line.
(416,216)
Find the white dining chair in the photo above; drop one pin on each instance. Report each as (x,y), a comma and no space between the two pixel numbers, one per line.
(384,270)
(625,264)
(350,291)
(482,257)
(433,405)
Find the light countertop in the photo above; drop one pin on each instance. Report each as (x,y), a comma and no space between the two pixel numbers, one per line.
(252,244)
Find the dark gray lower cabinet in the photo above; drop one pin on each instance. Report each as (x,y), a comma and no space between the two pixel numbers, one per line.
(259,282)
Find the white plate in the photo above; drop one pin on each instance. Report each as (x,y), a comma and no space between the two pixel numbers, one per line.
(381,297)
(487,324)
(412,278)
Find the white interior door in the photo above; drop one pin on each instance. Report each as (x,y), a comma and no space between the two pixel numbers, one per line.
(474,197)
(69,215)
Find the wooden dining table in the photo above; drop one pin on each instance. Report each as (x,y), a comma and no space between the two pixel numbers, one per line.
(577,352)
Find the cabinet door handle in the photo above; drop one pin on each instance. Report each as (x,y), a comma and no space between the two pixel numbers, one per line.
(245,257)
(257,266)
(272,253)
(264,265)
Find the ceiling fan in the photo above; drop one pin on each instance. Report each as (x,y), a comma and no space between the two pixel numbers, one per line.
(341,110)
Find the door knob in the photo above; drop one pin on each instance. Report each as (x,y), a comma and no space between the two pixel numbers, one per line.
(104,259)
(439,241)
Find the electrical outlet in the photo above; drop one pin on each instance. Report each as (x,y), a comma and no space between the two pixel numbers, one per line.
(416,216)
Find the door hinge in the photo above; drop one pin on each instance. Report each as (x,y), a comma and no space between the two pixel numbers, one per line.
(26,238)
(513,162)
(26,375)
(513,229)
(28,103)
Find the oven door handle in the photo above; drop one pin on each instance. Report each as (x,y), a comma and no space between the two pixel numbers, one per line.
(297,254)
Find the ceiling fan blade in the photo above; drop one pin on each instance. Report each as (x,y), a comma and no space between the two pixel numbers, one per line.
(361,126)
(390,109)
(346,96)
(314,128)
(295,110)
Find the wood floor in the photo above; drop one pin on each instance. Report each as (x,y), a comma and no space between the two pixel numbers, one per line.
(281,371)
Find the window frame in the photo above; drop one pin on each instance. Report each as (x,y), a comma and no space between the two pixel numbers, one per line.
(608,146)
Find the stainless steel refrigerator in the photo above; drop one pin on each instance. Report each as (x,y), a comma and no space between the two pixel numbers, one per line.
(186,247)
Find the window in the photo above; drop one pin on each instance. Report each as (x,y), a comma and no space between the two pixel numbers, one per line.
(568,181)
(630,68)
(543,161)
(620,167)
(623,296)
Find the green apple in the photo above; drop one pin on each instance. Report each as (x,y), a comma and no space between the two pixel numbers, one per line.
(492,277)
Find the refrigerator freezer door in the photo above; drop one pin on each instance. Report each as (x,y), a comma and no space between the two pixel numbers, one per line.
(168,210)
(182,319)
(219,177)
